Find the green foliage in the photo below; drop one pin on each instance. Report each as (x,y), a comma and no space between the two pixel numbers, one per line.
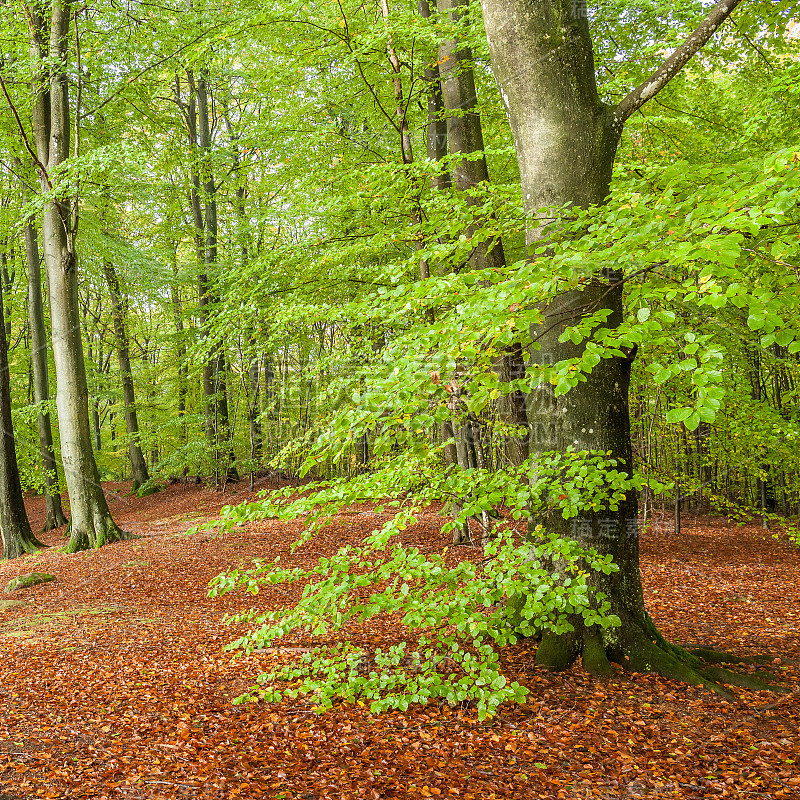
(455,617)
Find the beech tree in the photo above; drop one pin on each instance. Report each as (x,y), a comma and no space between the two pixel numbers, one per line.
(566,140)
(17,536)
(54,514)
(91,524)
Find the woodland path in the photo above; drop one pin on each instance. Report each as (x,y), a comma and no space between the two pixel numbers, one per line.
(114,683)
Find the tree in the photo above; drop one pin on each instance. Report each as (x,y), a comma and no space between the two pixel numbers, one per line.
(566,140)
(14,526)
(54,514)
(119,315)
(91,521)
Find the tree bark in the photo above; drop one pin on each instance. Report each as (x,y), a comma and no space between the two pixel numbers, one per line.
(54,513)
(566,140)
(436,127)
(91,523)
(17,536)
(465,138)
(119,316)
(214,372)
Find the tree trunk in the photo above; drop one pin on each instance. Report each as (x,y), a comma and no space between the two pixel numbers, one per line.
(91,524)
(566,140)
(54,513)
(177,316)
(465,137)
(222,438)
(17,536)
(436,127)
(189,111)
(119,314)
(254,408)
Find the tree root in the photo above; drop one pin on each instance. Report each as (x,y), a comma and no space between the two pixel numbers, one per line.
(639,646)
(719,657)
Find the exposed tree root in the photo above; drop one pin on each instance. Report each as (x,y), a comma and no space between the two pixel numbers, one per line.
(54,519)
(103,534)
(638,646)
(24,543)
(718,657)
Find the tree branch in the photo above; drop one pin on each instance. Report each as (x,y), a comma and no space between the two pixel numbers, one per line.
(41,167)
(675,63)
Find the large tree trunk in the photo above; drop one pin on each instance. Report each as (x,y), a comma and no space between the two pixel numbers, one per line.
(17,536)
(566,140)
(54,513)
(119,314)
(91,523)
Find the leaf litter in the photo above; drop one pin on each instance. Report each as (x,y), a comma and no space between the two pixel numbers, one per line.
(115,683)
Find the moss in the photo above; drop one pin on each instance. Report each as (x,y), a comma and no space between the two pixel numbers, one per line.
(32,579)
(147,489)
(593,654)
(718,657)
(722,675)
(557,651)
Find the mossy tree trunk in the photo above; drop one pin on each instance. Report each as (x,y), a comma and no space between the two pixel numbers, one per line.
(566,140)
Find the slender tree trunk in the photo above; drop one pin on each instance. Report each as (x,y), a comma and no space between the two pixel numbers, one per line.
(54,513)
(119,316)
(17,536)
(254,408)
(222,442)
(436,127)
(177,316)
(91,524)
(189,111)
(465,137)
(7,288)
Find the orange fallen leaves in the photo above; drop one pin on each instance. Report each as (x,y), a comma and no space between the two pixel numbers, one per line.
(121,688)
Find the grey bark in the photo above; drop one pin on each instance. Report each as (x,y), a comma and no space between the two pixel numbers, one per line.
(177,316)
(214,376)
(436,127)
(566,140)
(189,111)
(465,137)
(254,408)
(54,513)
(17,536)
(91,522)
(119,315)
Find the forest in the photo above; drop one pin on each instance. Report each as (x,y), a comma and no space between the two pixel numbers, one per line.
(427,363)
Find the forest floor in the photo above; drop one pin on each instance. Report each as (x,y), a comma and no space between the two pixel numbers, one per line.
(115,684)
